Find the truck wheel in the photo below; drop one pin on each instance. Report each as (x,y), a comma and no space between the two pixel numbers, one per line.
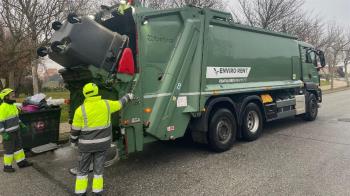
(222,130)
(311,108)
(252,122)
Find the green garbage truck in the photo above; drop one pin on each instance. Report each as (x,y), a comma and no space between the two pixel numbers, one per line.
(192,70)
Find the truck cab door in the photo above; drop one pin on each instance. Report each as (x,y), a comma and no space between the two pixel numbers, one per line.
(309,65)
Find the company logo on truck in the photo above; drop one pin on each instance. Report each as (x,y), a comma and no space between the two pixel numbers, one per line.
(228,72)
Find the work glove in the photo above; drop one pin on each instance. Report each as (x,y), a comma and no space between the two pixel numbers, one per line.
(23,127)
(6,136)
(130,96)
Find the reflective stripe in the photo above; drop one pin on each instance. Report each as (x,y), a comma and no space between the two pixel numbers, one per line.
(8,158)
(149,96)
(81,184)
(109,111)
(95,128)
(85,117)
(95,141)
(74,137)
(12,128)
(20,156)
(83,111)
(76,128)
(82,177)
(97,184)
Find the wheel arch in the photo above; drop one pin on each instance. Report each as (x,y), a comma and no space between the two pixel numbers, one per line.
(213,104)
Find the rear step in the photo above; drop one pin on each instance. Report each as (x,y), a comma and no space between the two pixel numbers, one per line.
(44,148)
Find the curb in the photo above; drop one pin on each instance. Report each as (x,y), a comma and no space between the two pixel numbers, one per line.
(335,90)
(63,138)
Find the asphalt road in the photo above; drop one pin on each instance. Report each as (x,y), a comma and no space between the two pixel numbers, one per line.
(292,157)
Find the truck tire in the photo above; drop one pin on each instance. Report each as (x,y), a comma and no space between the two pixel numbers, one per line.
(222,130)
(311,108)
(252,122)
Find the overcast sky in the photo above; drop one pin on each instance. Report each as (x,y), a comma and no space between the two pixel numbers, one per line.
(329,10)
(332,10)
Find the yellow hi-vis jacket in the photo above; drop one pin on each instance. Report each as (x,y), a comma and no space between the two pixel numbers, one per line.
(91,126)
(9,120)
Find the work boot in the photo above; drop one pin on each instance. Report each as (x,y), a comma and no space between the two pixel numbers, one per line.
(9,169)
(24,164)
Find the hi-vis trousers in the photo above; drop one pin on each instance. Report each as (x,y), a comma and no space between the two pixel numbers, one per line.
(85,159)
(13,149)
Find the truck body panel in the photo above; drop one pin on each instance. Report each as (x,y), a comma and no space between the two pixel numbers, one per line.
(190,63)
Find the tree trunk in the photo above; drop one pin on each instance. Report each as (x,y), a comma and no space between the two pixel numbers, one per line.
(332,76)
(2,83)
(11,83)
(35,77)
(334,65)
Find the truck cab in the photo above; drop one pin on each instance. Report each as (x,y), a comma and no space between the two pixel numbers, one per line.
(311,62)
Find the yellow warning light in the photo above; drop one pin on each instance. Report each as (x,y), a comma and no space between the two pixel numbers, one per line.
(147,110)
(125,122)
(266,98)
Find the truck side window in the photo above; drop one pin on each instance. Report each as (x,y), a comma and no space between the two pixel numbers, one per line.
(308,56)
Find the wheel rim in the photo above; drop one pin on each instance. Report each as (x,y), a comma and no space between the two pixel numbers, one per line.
(253,121)
(224,130)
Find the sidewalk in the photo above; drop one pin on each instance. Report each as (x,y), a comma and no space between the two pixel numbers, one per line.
(29,181)
(338,84)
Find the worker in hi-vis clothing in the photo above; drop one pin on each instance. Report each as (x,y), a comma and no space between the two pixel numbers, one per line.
(10,125)
(92,131)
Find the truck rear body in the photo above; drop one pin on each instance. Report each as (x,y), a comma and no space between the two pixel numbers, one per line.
(191,62)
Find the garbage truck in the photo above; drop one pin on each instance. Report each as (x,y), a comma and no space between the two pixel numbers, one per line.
(193,71)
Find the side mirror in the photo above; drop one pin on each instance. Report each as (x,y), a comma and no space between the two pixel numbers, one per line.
(42,51)
(322,58)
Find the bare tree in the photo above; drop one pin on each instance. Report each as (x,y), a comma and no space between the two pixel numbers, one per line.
(270,14)
(85,7)
(347,59)
(30,20)
(337,44)
(161,4)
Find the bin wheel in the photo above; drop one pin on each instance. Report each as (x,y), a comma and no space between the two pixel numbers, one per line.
(56,25)
(73,18)
(42,51)
(55,46)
